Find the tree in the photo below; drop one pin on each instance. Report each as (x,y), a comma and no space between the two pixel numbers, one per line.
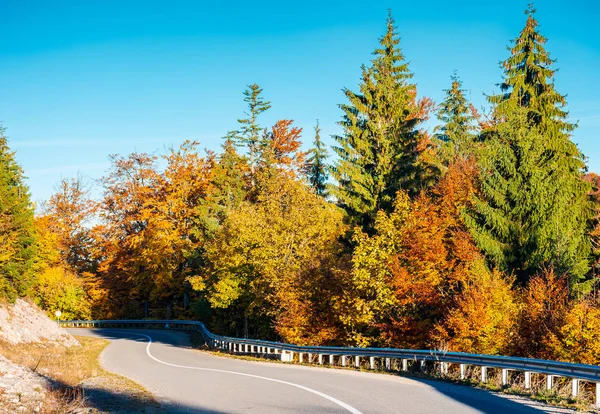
(316,167)
(271,264)
(457,133)
(17,233)
(380,147)
(249,133)
(280,148)
(524,218)
(71,210)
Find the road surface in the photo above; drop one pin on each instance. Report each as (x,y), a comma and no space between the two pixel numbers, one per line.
(186,380)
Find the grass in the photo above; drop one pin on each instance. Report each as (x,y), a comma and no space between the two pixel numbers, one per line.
(79,379)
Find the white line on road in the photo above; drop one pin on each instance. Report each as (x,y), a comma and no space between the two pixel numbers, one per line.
(291,384)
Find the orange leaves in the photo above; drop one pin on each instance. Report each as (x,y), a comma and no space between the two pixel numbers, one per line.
(282,146)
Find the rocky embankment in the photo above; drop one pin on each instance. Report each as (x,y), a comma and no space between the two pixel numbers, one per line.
(22,389)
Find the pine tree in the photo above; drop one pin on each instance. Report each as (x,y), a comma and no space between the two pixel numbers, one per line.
(249,134)
(457,133)
(17,234)
(533,210)
(316,165)
(378,151)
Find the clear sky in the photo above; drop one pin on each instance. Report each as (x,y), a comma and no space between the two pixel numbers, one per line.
(80,80)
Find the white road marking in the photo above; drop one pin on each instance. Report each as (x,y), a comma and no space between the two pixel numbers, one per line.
(291,384)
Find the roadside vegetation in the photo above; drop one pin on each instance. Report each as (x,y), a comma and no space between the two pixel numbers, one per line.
(481,236)
(77,381)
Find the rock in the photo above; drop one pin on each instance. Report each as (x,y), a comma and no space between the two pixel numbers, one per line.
(23,322)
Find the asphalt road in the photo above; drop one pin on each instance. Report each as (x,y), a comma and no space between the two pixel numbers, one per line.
(186,380)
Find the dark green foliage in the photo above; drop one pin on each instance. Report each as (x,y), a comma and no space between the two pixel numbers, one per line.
(379,148)
(316,165)
(533,211)
(457,132)
(17,236)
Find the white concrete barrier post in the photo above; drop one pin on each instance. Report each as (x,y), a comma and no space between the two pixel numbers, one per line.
(310,358)
(372,362)
(388,364)
(300,356)
(575,390)
(330,359)
(549,381)
(504,377)
(343,360)
(527,380)
(483,374)
(405,365)
(597,395)
(462,371)
(357,361)
(320,359)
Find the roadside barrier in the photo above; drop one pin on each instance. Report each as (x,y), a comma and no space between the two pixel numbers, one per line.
(390,359)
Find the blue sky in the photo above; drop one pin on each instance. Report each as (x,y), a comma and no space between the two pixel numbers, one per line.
(81,80)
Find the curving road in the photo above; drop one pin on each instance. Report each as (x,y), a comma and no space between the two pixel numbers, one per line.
(185,380)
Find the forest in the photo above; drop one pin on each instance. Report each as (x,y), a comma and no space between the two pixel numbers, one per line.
(481,236)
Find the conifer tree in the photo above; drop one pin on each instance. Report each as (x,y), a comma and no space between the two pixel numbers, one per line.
(316,165)
(379,148)
(533,210)
(17,233)
(457,132)
(249,134)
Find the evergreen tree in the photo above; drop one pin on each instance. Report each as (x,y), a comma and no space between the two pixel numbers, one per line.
(523,219)
(378,151)
(249,133)
(17,234)
(533,210)
(457,133)
(316,165)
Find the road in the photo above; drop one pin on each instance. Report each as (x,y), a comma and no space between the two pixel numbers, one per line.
(186,380)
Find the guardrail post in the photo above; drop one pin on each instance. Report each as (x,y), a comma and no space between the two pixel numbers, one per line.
(372,362)
(597,395)
(443,368)
(330,359)
(310,358)
(388,364)
(549,381)
(343,360)
(575,390)
(405,365)
(483,374)
(462,371)
(357,361)
(504,377)
(527,380)
(320,359)
(300,355)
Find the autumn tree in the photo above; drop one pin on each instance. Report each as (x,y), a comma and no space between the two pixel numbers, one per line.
(281,148)
(71,210)
(17,234)
(379,150)
(407,275)
(316,165)
(270,264)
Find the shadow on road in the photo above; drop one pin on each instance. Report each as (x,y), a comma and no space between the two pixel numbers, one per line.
(487,401)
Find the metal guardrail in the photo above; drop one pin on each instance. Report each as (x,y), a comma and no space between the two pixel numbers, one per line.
(385,358)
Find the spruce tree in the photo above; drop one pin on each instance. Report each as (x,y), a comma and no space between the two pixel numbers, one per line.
(378,150)
(533,210)
(316,165)
(17,236)
(457,132)
(249,134)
